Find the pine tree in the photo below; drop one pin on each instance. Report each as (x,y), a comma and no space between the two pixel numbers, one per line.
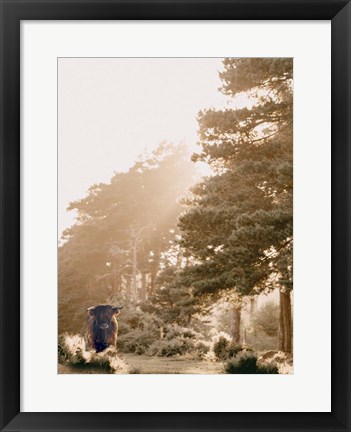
(238,226)
(115,248)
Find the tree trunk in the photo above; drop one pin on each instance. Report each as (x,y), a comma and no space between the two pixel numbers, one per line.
(143,286)
(179,259)
(236,323)
(154,270)
(285,322)
(281,332)
(129,287)
(244,343)
(153,276)
(252,305)
(117,282)
(288,323)
(135,268)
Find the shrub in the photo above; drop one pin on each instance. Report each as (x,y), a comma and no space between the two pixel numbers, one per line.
(246,363)
(62,350)
(225,349)
(201,349)
(144,333)
(169,348)
(283,361)
(137,331)
(220,348)
(270,368)
(137,341)
(233,349)
(243,364)
(135,371)
(71,351)
(178,346)
(174,330)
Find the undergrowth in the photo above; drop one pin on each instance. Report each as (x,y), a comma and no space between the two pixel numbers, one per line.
(72,351)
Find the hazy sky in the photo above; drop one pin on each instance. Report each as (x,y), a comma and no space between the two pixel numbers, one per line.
(110,110)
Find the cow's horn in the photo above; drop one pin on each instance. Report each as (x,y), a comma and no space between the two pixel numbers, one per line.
(115,308)
(90,309)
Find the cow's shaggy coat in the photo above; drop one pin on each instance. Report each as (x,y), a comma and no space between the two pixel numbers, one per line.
(102,327)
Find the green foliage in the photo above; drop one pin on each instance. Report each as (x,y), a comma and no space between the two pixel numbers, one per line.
(246,363)
(266,319)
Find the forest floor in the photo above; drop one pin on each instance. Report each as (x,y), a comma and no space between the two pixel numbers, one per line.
(153,365)
(171,365)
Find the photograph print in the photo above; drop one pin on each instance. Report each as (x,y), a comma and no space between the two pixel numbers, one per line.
(175,215)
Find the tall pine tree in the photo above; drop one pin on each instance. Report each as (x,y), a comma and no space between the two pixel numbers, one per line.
(238,226)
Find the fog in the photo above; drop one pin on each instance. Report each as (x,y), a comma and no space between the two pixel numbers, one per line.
(110,110)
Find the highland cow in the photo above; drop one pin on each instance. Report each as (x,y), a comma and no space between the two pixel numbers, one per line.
(102,327)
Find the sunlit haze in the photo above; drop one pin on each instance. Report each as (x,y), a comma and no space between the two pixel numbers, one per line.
(111,109)
(175,264)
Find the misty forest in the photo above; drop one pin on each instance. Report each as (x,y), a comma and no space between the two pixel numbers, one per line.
(202,265)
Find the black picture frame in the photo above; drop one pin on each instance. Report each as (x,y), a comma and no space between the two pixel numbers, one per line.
(12,12)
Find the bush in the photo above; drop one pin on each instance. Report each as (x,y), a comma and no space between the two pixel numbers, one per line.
(62,350)
(246,363)
(137,341)
(283,361)
(270,368)
(201,349)
(179,345)
(135,371)
(225,349)
(233,350)
(144,333)
(220,348)
(71,351)
(137,332)
(174,330)
(243,364)
(169,348)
